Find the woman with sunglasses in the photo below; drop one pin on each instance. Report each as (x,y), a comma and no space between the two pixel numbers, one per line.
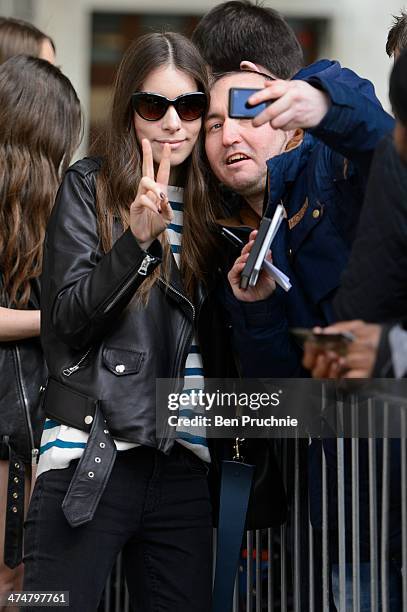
(40,128)
(127,258)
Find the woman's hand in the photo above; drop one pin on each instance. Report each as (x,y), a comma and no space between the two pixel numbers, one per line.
(150,213)
(265,285)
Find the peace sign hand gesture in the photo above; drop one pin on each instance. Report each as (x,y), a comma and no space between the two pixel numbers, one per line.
(150,212)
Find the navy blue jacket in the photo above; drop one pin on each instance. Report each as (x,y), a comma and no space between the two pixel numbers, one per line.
(321,183)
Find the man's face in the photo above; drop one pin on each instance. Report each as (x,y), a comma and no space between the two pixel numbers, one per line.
(237,151)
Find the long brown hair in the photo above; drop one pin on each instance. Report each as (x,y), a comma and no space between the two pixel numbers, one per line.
(122,168)
(40,127)
(20,37)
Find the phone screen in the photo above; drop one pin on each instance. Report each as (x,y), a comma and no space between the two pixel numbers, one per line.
(238,107)
(338,342)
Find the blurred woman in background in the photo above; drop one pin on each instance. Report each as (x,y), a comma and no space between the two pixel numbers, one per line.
(20,37)
(40,128)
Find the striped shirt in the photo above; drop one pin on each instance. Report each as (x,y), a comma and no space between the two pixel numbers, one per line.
(194,439)
(61,444)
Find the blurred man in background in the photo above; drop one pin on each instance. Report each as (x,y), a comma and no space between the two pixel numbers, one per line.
(397,37)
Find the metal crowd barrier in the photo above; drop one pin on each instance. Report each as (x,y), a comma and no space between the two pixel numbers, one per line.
(290,568)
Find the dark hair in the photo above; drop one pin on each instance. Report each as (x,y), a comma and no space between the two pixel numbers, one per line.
(398,88)
(40,127)
(217,76)
(121,170)
(239,30)
(397,37)
(20,37)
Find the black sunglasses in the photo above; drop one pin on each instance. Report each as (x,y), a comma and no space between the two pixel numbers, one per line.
(152,106)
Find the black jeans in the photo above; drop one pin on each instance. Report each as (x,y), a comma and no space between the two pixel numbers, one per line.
(155,509)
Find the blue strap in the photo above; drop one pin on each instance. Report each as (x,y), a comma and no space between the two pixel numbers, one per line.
(236,482)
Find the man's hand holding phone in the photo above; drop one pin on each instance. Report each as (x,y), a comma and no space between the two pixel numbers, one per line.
(265,285)
(295,104)
(355,360)
(323,351)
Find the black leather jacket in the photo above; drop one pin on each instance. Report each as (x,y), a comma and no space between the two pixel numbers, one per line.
(97,340)
(23,372)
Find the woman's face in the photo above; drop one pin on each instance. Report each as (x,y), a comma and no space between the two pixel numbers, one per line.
(181,135)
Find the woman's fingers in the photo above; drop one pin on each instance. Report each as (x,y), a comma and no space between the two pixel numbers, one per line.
(152,196)
(163,174)
(167,210)
(145,202)
(162,207)
(148,163)
(149,185)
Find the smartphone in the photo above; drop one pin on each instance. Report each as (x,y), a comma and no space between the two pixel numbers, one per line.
(239,108)
(267,230)
(337,342)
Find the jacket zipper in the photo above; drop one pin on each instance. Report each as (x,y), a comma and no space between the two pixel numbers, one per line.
(34,451)
(164,441)
(34,456)
(74,368)
(142,271)
(181,295)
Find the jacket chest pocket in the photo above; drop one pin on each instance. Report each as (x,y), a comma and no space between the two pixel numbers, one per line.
(303,223)
(122,362)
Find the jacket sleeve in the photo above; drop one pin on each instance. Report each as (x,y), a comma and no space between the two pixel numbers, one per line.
(261,339)
(84,290)
(354,124)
